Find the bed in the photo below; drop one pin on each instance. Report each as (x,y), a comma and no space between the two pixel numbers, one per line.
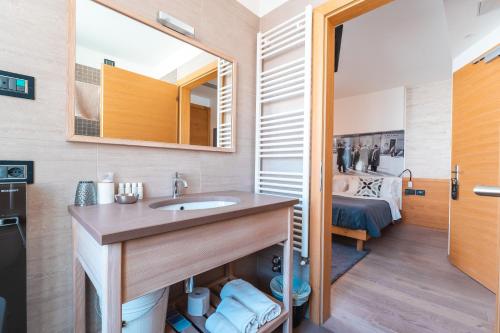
(359,216)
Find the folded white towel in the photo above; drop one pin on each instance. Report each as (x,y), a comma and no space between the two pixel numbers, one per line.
(242,318)
(252,298)
(217,323)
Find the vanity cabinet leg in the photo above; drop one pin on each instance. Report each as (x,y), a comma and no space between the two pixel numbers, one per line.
(78,296)
(78,288)
(287,269)
(111,293)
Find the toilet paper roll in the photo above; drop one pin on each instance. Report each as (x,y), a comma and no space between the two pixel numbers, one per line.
(198,301)
(105,193)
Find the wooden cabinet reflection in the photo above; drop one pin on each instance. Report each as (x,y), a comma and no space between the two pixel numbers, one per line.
(137,107)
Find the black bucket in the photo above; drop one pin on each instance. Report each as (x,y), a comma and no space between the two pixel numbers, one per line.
(299,313)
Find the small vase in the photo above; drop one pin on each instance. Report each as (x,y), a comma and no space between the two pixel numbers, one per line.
(86,194)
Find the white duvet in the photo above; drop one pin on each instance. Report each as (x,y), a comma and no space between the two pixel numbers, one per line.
(393,203)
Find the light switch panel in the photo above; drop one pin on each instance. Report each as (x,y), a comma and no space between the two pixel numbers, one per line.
(17,85)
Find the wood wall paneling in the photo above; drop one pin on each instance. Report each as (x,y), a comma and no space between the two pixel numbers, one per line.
(137,107)
(431,210)
(199,124)
(475,148)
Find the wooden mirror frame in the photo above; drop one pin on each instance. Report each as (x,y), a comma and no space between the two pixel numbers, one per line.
(70,123)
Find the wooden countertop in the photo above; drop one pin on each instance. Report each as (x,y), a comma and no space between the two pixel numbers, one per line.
(113,223)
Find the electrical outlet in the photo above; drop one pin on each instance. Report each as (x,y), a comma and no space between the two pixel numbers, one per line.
(276,261)
(420,192)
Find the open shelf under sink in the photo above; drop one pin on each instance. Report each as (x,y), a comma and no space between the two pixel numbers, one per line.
(199,322)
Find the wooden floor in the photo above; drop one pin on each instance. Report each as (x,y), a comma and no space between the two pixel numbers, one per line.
(308,327)
(406,285)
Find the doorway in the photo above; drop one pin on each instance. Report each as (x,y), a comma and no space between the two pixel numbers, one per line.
(326,18)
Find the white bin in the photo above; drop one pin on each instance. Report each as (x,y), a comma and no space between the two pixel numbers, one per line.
(145,314)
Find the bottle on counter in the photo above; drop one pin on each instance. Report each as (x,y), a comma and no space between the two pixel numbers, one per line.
(128,188)
(121,188)
(134,189)
(140,190)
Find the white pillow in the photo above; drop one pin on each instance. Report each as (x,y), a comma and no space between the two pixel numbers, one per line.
(387,188)
(397,187)
(340,184)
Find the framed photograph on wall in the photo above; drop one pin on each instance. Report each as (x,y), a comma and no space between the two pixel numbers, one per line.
(380,153)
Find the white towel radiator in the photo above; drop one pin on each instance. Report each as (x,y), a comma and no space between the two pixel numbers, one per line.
(224,103)
(283,117)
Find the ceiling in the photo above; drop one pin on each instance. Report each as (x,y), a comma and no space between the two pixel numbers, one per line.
(104,33)
(400,44)
(261,7)
(465,26)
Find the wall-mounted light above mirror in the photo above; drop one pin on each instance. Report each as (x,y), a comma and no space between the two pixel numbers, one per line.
(136,82)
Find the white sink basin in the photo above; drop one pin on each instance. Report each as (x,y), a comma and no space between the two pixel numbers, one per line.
(195,205)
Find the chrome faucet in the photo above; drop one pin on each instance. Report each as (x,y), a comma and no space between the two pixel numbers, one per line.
(176,188)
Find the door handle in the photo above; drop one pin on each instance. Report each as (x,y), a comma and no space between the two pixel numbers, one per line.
(487,191)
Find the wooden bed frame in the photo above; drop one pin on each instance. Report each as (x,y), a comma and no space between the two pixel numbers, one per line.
(360,235)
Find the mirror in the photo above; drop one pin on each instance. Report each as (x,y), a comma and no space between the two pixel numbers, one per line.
(137,82)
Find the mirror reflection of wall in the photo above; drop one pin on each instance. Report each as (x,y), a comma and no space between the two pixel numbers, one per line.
(134,82)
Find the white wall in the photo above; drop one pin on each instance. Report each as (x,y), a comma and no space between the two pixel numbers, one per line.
(423,111)
(194,64)
(477,49)
(375,112)
(428,130)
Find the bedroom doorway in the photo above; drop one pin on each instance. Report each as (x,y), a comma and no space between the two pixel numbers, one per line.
(325,18)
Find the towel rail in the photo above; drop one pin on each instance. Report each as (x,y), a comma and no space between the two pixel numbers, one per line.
(294,31)
(284,48)
(224,103)
(282,173)
(293,35)
(281,97)
(282,67)
(288,22)
(280,75)
(283,114)
(283,84)
(283,135)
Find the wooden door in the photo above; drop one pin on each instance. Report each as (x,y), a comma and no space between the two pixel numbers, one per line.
(137,107)
(199,125)
(475,149)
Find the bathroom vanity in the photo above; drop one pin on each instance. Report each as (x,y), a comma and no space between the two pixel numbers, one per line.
(128,251)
